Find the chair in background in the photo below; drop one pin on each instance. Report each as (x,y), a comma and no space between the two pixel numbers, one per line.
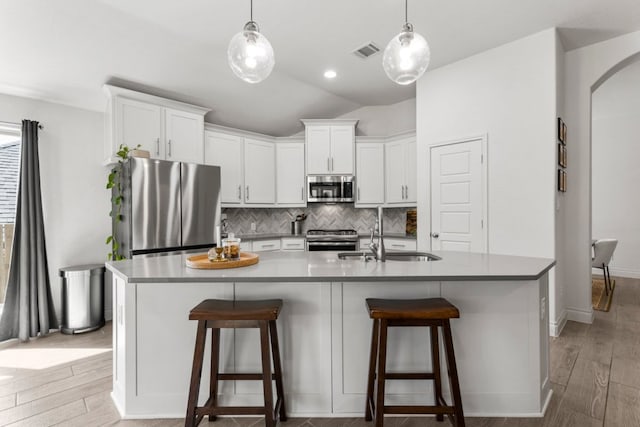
(603,251)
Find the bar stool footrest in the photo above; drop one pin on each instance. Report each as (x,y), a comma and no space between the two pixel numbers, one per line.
(230,410)
(243,377)
(412,409)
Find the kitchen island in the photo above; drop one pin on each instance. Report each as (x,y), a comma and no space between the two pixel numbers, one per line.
(501,340)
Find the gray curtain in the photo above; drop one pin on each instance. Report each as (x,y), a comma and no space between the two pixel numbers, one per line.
(28,308)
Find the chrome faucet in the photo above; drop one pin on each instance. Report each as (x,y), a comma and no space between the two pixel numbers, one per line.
(378,248)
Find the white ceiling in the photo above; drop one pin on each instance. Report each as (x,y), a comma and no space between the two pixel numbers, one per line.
(64,50)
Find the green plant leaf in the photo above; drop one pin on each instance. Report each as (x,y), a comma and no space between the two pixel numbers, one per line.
(109,239)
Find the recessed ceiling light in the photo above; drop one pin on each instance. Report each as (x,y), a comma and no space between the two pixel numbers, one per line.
(330,74)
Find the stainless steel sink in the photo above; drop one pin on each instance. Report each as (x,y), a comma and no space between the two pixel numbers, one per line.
(411,256)
(351,255)
(393,256)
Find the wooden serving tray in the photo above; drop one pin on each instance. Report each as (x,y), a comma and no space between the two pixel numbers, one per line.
(202,261)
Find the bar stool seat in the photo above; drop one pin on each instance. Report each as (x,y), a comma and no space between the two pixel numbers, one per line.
(217,314)
(434,313)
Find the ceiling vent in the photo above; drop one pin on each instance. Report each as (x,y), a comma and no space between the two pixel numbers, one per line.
(367,50)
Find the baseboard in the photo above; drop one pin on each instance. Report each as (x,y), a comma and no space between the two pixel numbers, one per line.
(622,272)
(556,327)
(581,316)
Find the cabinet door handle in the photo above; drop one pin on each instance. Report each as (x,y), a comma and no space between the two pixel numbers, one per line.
(239,192)
(169,148)
(435,234)
(395,245)
(332,164)
(358,193)
(246,192)
(302,193)
(328,165)
(157,146)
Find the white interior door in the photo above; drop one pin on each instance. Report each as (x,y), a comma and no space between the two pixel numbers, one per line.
(457,197)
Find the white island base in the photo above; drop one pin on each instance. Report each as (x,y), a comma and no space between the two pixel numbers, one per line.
(501,339)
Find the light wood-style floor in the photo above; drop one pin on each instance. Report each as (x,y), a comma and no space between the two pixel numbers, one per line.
(595,370)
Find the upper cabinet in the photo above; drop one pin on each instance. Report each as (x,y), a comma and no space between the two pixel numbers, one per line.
(259,172)
(169,130)
(401,176)
(369,174)
(330,146)
(290,175)
(227,151)
(247,167)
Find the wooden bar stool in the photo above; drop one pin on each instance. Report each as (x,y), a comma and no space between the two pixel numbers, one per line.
(434,313)
(216,314)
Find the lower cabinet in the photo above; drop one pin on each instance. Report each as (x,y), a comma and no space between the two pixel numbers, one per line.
(293,244)
(351,343)
(393,244)
(304,328)
(265,245)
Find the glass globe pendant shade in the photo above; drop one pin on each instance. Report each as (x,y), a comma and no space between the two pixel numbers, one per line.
(250,54)
(406,57)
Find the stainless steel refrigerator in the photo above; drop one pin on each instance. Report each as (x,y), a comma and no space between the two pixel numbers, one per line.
(168,207)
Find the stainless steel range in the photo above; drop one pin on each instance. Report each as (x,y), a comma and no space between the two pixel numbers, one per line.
(332,240)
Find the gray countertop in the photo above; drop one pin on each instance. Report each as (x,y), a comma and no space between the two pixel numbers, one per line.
(302,266)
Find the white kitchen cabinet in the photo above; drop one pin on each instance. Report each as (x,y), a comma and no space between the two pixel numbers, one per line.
(395,244)
(304,326)
(351,335)
(390,244)
(369,174)
(259,172)
(169,130)
(184,136)
(246,246)
(400,168)
(227,151)
(265,245)
(330,146)
(290,174)
(292,243)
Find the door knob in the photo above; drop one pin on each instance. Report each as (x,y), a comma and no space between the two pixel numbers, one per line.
(435,235)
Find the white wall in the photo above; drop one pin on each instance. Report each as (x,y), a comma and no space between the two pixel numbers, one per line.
(509,95)
(615,171)
(384,120)
(585,70)
(75,202)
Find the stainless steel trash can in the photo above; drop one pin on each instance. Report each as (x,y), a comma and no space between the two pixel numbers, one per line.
(82,298)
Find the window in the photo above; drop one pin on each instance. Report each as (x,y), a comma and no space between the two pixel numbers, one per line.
(10,144)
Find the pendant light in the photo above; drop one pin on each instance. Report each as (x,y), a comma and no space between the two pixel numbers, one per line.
(250,54)
(407,55)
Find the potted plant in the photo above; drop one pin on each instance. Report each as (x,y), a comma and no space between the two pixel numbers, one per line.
(114,183)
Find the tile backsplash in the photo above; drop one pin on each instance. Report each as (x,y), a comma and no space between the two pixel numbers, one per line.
(319,216)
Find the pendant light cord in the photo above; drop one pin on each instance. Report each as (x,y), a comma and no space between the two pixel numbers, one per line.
(406,2)
(251,10)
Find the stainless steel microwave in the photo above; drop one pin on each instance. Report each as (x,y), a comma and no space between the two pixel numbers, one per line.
(330,188)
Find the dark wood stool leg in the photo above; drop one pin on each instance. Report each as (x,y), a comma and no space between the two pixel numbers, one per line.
(435,363)
(269,418)
(277,368)
(215,369)
(381,373)
(373,356)
(196,372)
(453,374)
